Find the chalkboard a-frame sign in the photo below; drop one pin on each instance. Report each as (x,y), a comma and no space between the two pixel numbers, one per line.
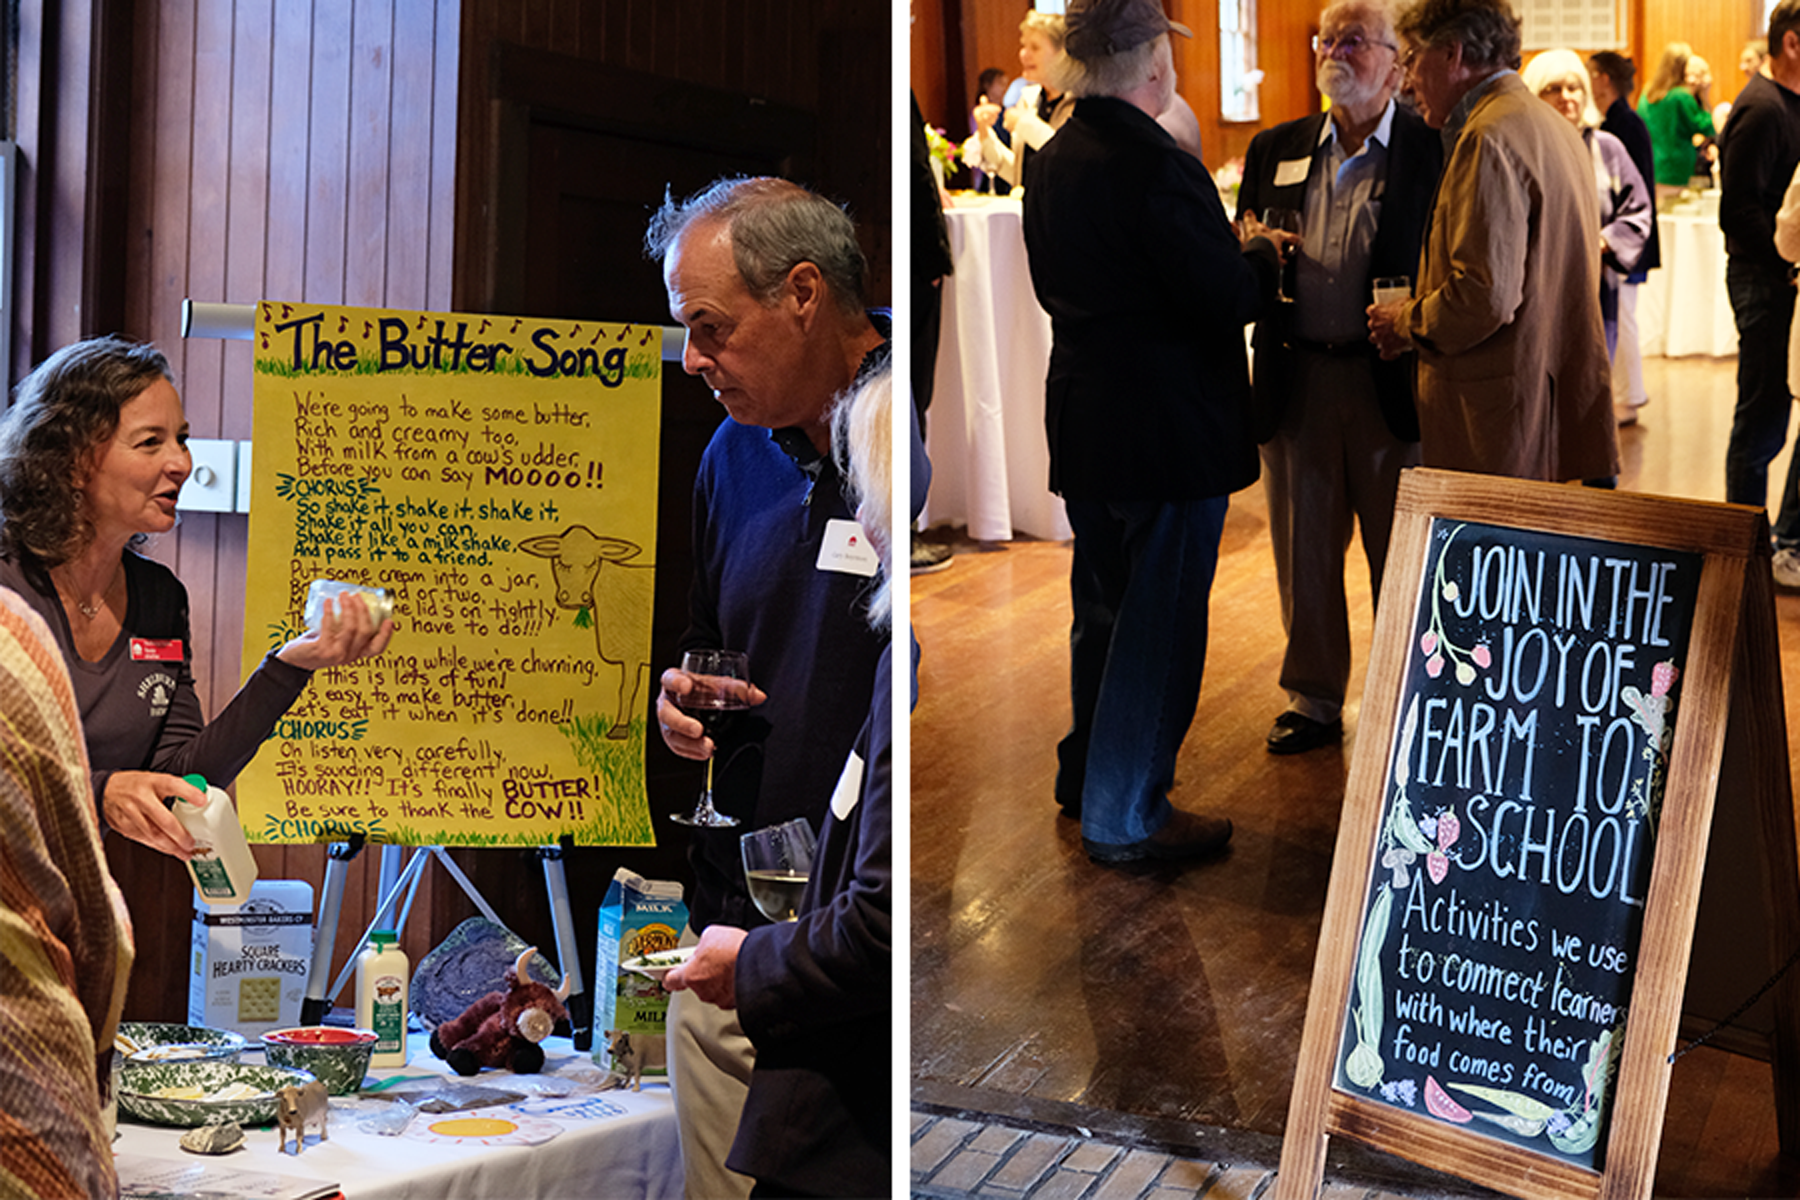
(1511,909)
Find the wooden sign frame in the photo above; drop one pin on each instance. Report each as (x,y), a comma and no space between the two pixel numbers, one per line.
(1732,677)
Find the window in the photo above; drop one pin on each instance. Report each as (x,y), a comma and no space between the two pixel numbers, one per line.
(1593,24)
(1239,80)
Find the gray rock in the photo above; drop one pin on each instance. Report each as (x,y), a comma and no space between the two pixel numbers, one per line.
(466,966)
(213,1139)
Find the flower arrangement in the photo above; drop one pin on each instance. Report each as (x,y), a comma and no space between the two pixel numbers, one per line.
(943,151)
(1228,179)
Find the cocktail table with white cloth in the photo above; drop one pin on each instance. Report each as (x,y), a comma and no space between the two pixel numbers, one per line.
(616,1143)
(990,459)
(1683,308)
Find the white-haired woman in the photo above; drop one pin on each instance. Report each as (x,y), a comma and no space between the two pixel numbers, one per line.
(1627,207)
(1041,109)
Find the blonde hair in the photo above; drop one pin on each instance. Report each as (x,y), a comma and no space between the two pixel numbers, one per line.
(1670,73)
(1555,66)
(1049,26)
(862,438)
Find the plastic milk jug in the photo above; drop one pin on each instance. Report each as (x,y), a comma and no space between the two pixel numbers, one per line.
(223,867)
(381,978)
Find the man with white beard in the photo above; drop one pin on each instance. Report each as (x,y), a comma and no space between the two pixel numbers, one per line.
(1336,423)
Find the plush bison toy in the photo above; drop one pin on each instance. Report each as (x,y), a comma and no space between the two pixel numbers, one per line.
(503,1029)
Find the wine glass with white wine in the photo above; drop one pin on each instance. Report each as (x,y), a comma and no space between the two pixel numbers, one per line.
(777,863)
(721,690)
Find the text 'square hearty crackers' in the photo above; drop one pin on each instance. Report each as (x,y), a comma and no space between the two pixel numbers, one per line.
(498,476)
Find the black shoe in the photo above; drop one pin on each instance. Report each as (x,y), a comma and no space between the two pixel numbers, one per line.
(1186,835)
(1069,808)
(1296,734)
(929,556)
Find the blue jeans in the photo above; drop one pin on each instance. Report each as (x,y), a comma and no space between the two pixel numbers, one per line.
(1762,302)
(1140,580)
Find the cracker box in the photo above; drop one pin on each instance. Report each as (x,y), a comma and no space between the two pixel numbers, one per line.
(249,961)
(639,916)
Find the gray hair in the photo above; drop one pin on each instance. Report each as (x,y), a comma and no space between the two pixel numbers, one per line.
(1111,75)
(1487,30)
(1049,25)
(775,225)
(1555,66)
(1383,11)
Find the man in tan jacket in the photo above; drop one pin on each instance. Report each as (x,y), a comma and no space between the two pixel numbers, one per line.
(1512,371)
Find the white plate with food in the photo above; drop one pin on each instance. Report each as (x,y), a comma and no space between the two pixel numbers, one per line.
(660,964)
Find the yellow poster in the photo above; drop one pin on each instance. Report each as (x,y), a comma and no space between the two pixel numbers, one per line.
(497,475)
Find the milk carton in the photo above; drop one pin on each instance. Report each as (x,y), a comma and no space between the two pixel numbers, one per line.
(639,916)
(249,962)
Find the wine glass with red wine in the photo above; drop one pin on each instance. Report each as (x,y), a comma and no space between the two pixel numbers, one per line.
(721,690)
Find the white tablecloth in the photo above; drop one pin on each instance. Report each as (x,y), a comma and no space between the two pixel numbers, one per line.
(1682,306)
(990,463)
(633,1153)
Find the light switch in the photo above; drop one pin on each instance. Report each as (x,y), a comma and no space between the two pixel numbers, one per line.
(213,485)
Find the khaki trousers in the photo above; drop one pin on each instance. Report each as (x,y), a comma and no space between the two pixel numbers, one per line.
(709,1073)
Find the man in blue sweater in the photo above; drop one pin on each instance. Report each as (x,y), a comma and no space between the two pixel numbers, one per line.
(767,279)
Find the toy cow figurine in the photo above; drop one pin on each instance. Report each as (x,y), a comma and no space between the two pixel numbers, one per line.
(633,1052)
(298,1107)
(503,1029)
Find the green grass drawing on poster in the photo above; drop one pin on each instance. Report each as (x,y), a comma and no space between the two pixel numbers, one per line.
(618,763)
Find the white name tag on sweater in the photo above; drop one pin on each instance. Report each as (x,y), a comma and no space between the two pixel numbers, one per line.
(846,548)
(1293,171)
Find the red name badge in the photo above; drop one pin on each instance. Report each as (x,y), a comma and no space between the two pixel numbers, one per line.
(156,650)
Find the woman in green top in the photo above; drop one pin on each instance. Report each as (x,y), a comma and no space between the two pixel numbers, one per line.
(1675,118)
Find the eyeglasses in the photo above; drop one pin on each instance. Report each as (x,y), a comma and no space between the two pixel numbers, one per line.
(1349,43)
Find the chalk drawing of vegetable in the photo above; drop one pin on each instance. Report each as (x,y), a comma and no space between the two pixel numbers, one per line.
(1448,829)
(1363,1067)
(1524,1115)
(1439,1104)
(1573,1130)
(1583,1129)
(1652,714)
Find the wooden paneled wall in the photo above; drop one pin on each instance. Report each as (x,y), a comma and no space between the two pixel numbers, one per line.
(298,149)
(773,49)
(944,75)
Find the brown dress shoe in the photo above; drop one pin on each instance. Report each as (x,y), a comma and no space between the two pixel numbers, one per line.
(1186,835)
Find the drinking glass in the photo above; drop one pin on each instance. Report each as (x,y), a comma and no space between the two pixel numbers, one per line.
(777,862)
(1390,288)
(1287,220)
(721,686)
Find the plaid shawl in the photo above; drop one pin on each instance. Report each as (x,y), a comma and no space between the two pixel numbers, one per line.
(65,937)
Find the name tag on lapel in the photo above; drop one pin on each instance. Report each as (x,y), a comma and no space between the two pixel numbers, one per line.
(1291,172)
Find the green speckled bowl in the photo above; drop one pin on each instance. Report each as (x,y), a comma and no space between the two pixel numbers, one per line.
(339,1057)
(158,1042)
(138,1082)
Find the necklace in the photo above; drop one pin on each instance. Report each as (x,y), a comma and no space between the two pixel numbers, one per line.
(90,611)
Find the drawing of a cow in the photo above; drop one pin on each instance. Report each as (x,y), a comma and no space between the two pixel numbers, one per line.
(592,575)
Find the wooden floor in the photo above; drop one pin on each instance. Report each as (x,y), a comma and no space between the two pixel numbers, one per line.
(1180,994)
